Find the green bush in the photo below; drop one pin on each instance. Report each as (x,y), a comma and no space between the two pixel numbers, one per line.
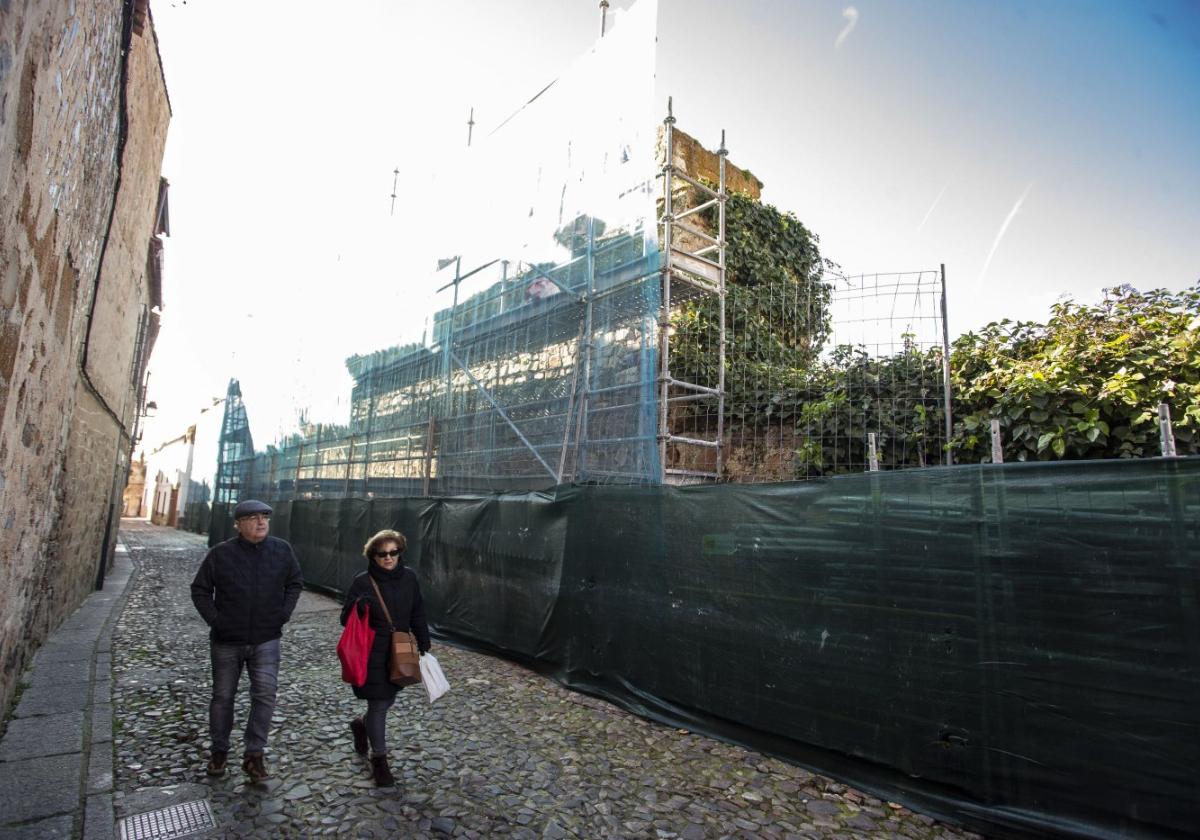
(1086,384)
(776,308)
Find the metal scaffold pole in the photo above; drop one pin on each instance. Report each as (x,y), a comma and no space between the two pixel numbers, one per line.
(586,348)
(698,271)
(722,155)
(664,315)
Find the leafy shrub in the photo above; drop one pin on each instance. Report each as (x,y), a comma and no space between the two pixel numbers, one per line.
(1086,384)
(776,308)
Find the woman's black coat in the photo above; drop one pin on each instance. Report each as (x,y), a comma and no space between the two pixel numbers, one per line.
(402,594)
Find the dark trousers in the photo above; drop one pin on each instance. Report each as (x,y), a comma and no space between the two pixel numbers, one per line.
(376,723)
(262,662)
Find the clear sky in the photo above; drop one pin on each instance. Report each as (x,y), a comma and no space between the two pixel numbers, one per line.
(1038,149)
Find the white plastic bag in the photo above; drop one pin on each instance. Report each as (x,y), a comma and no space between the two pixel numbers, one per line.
(432,677)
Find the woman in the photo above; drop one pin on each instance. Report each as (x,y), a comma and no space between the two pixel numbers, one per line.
(402,595)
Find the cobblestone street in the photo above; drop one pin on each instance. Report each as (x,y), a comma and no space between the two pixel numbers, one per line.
(506,753)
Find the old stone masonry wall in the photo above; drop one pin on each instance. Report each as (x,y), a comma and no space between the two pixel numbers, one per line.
(72,251)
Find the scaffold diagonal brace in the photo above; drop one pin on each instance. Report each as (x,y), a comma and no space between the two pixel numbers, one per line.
(503,415)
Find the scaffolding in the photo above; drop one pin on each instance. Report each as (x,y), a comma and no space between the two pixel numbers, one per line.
(693,266)
(551,346)
(235,453)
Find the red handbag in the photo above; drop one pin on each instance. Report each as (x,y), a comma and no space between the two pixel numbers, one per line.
(354,646)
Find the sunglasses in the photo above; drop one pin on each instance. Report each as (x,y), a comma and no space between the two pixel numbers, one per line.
(395,552)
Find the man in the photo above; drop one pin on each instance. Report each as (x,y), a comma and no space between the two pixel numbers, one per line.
(246,590)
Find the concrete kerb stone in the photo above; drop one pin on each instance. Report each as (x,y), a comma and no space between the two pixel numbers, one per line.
(102,722)
(98,821)
(100,769)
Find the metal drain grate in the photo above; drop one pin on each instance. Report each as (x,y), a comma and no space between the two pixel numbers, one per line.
(177,821)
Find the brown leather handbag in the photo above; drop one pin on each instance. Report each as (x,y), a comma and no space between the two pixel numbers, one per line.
(404,662)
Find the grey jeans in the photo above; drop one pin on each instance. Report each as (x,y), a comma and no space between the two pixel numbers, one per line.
(376,722)
(262,662)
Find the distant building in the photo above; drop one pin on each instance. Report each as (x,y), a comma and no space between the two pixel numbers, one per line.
(178,474)
(135,490)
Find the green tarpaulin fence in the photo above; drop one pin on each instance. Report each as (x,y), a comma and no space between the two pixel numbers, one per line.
(1015,647)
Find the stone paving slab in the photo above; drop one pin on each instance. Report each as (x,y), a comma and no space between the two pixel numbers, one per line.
(40,699)
(52,827)
(40,787)
(59,651)
(58,673)
(33,737)
(507,753)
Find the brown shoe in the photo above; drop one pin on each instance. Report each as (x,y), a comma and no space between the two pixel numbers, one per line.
(381,771)
(255,767)
(216,763)
(360,735)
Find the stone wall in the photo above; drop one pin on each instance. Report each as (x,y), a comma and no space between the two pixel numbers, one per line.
(691,158)
(133,499)
(79,187)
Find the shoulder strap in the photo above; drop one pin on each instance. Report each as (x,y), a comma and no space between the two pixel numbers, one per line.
(379,595)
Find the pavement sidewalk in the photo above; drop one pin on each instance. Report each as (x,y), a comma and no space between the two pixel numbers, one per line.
(56,757)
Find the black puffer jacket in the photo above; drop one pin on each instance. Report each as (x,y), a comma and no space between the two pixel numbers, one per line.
(402,594)
(246,591)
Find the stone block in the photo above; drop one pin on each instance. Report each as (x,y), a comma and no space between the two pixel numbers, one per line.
(54,699)
(39,787)
(102,722)
(33,737)
(58,673)
(51,828)
(62,650)
(100,769)
(98,820)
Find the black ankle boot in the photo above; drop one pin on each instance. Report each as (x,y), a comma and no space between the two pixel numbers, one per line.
(360,735)
(381,771)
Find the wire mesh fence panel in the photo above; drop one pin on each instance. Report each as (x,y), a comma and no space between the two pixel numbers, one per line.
(818,366)
(881,378)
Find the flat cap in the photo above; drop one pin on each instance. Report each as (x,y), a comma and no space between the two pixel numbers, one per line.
(249,507)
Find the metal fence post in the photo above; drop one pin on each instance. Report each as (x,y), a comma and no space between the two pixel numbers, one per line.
(947,397)
(1166,435)
(872,453)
